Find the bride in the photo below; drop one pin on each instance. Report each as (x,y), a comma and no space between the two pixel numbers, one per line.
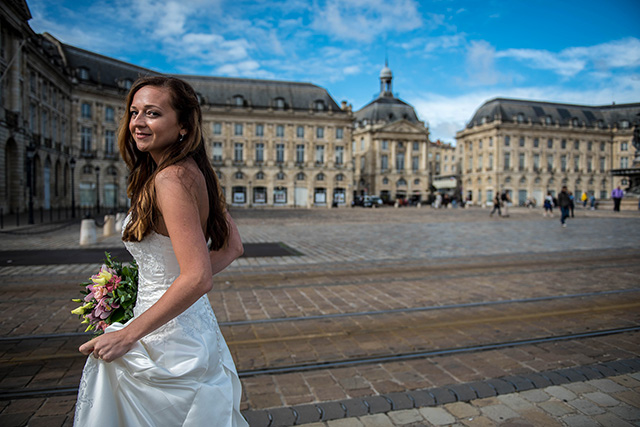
(169,365)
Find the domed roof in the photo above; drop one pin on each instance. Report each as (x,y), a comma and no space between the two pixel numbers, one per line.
(386,110)
(386,73)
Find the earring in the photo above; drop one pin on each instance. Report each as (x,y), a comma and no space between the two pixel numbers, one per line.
(181,137)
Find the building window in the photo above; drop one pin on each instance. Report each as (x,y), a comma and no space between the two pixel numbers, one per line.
(238,101)
(589,146)
(385,180)
(259,130)
(624,162)
(217,128)
(602,146)
(279,103)
(520,118)
(624,124)
(340,177)
(507,161)
(550,162)
(259,152)
(490,162)
(280,196)
(624,146)
(339,155)
(589,164)
(415,163)
(400,161)
(280,153)
(319,105)
(238,129)
(563,163)
(602,164)
(536,143)
(563,144)
(385,144)
(83,73)
(576,144)
(260,176)
(300,176)
(480,162)
(576,164)
(319,154)
(361,144)
(521,161)
(239,175)
(86,110)
(384,162)
(490,142)
(109,141)
(280,176)
(217,151)
(416,146)
(280,131)
(320,132)
(547,120)
(536,162)
(109,114)
(521,141)
(339,133)
(320,177)
(480,144)
(549,143)
(507,141)
(85,139)
(238,152)
(300,131)
(300,153)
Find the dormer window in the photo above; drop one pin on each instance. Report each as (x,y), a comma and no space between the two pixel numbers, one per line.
(548,121)
(319,105)
(600,124)
(279,102)
(624,124)
(83,73)
(575,123)
(238,101)
(520,118)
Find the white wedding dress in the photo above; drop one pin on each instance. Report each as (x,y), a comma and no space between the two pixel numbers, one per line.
(182,374)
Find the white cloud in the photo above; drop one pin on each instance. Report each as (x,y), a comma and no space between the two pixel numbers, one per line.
(444,43)
(480,63)
(624,53)
(365,20)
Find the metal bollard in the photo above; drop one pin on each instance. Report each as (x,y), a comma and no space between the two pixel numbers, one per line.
(88,232)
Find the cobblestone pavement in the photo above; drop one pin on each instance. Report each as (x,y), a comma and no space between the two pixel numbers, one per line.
(364,239)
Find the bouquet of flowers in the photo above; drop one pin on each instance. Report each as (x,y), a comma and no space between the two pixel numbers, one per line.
(109,297)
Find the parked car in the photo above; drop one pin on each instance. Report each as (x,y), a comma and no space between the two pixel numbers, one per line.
(372,202)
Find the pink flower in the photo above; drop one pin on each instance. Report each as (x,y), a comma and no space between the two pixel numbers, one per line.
(102,325)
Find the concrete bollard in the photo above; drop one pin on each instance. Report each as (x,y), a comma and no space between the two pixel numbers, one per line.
(109,228)
(88,232)
(119,220)
(419,205)
(396,205)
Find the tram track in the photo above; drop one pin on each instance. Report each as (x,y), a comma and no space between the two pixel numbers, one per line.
(9,394)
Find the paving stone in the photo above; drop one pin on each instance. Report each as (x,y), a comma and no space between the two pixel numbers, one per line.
(348,422)
(437,416)
(442,395)
(422,398)
(501,387)
(556,378)
(520,383)
(607,386)
(515,402)
(376,420)
(355,407)
(482,389)
(626,381)
(620,367)
(399,401)
(556,408)
(499,413)
(480,421)
(538,380)
(573,374)
(605,370)
(282,417)
(626,412)
(601,399)
(611,420)
(463,392)
(377,404)
(580,388)
(590,373)
(630,397)
(407,416)
(586,406)
(332,410)
(560,392)
(306,414)
(579,421)
(462,410)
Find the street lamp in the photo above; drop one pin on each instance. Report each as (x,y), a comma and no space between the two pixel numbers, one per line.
(72,163)
(31,152)
(97,189)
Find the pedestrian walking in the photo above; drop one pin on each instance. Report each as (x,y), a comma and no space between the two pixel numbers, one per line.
(505,199)
(584,199)
(572,203)
(496,205)
(617,194)
(564,202)
(548,205)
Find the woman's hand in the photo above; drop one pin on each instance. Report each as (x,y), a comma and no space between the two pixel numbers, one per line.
(107,347)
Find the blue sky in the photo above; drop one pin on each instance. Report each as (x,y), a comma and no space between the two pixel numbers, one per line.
(447,57)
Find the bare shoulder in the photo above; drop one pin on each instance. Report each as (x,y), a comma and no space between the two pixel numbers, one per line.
(184,174)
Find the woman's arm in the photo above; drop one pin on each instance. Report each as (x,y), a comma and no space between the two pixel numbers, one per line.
(179,206)
(222,258)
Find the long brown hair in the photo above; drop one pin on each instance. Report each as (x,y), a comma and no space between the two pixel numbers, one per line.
(141,189)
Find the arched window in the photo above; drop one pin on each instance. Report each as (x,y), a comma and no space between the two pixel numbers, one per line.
(260,175)
(520,118)
(300,176)
(320,177)
(385,180)
(279,103)
(340,177)
(280,176)
(401,182)
(239,175)
(238,101)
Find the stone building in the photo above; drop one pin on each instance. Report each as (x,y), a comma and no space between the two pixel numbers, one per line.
(529,148)
(390,148)
(271,143)
(443,167)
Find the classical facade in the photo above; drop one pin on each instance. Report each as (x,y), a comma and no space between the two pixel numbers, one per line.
(529,148)
(443,167)
(272,143)
(390,148)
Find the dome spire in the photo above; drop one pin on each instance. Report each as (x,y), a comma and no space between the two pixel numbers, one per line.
(386,77)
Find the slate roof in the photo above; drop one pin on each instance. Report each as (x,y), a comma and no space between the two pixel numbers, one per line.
(386,109)
(592,116)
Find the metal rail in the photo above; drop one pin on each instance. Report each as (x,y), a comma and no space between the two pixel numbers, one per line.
(61,391)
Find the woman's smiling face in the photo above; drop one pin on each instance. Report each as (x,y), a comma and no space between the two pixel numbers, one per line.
(153,122)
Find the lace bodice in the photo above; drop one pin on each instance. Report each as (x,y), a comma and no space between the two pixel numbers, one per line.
(158,268)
